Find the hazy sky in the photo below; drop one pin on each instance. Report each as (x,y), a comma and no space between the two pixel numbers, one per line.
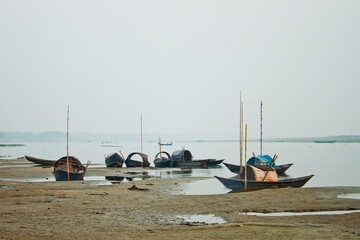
(182,65)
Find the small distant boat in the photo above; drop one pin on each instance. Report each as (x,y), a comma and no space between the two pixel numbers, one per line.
(166,144)
(325,141)
(114,160)
(69,170)
(161,161)
(251,185)
(40,161)
(184,158)
(135,163)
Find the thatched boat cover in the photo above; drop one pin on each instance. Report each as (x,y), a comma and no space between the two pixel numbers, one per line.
(142,155)
(166,153)
(182,155)
(257,174)
(74,164)
(257,161)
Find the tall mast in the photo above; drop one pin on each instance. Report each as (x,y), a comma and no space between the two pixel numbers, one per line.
(241,133)
(67,144)
(261,131)
(160,145)
(141,139)
(245,155)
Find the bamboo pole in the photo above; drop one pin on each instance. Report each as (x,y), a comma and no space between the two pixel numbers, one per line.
(67,145)
(121,154)
(245,157)
(183,153)
(272,162)
(261,131)
(142,162)
(160,146)
(241,133)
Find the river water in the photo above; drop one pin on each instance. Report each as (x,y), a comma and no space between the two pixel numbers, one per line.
(333,164)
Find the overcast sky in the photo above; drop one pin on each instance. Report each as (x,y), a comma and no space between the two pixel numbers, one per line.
(182,65)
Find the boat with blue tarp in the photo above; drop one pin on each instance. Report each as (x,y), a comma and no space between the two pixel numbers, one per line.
(256,160)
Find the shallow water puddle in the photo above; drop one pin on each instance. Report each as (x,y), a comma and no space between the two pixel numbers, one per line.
(44,179)
(350,195)
(285,214)
(200,219)
(202,187)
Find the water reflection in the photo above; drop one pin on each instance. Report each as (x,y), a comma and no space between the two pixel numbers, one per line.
(350,195)
(200,219)
(285,214)
(203,187)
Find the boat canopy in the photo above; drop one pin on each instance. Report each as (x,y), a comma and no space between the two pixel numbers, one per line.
(166,153)
(257,160)
(182,155)
(142,155)
(74,164)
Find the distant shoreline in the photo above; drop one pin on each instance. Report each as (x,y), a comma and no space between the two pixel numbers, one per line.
(15,138)
(11,145)
(299,140)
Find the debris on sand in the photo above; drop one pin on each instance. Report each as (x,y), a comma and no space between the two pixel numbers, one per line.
(138,189)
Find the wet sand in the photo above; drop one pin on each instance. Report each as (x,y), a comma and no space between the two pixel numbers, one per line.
(82,210)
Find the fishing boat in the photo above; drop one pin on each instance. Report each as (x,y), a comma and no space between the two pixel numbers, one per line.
(214,162)
(239,184)
(40,161)
(255,177)
(161,161)
(280,169)
(114,160)
(69,169)
(258,176)
(135,163)
(166,144)
(184,158)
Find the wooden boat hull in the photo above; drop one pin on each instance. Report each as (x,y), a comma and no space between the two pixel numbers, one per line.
(40,161)
(193,163)
(135,163)
(114,160)
(281,169)
(61,175)
(213,162)
(239,184)
(163,163)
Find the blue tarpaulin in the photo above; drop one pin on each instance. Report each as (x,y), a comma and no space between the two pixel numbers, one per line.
(257,161)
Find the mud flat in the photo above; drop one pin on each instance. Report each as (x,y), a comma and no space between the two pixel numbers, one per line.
(84,210)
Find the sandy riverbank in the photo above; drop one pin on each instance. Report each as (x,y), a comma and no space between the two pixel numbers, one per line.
(82,210)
